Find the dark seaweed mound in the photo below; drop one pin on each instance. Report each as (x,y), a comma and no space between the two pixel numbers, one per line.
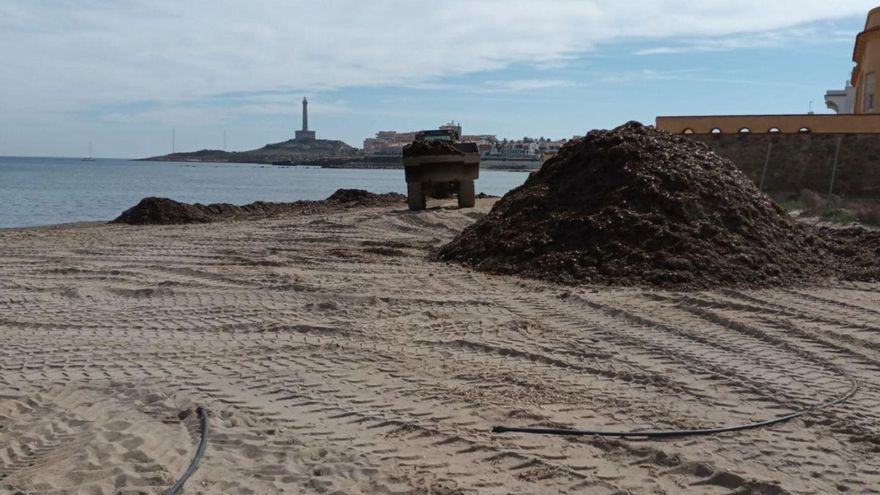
(163,211)
(637,206)
(422,148)
(359,197)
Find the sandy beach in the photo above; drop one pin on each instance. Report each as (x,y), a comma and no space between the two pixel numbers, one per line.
(333,357)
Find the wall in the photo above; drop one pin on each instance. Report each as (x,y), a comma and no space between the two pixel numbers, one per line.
(789,124)
(804,161)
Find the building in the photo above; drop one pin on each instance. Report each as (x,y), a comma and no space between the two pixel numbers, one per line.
(842,101)
(527,147)
(452,126)
(305,134)
(550,146)
(857,110)
(388,142)
(392,142)
(485,142)
(866,56)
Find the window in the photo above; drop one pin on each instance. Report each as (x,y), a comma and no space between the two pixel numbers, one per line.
(745,130)
(774,130)
(715,131)
(804,130)
(868,92)
(688,131)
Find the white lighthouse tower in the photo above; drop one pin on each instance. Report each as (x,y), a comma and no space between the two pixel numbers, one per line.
(305,134)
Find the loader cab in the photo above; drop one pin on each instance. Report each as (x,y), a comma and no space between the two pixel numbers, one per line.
(447,135)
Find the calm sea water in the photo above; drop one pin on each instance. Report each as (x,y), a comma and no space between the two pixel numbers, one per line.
(46,191)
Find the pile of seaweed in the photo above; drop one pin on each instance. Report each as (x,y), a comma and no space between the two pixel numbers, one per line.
(638,206)
(163,211)
(423,147)
(351,198)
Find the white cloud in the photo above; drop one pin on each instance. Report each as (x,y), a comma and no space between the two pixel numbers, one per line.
(209,113)
(62,59)
(497,86)
(696,75)
(777,38)
(523,85)
(643,75)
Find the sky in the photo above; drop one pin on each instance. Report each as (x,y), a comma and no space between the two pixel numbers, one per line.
(122,74)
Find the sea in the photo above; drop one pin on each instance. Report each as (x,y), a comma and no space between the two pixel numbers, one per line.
(50,191)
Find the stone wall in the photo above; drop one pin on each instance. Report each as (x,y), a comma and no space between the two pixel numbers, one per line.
(804,161)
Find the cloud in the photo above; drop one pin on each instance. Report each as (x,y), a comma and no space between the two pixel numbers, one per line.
(524,85)
(496,86)
(647,75)
(696,75)
(75,56)
(798,37)
(218,109)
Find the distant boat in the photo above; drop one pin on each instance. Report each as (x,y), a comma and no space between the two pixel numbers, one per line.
(89,158)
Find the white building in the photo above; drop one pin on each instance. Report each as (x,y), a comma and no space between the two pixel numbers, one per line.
(842,101)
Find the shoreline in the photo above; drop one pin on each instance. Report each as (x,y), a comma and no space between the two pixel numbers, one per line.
(812,220)
(57,226)
(367,165)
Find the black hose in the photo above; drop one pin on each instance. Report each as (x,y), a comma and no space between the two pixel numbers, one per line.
(203,422)
(681,433)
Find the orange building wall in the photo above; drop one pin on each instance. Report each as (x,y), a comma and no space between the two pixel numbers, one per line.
(761,124)
(866,56)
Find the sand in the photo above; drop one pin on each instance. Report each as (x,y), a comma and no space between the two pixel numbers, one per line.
(333,357)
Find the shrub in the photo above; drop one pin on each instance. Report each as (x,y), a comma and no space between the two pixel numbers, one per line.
(812,202)
(792,204)
(869,214)
(837,215)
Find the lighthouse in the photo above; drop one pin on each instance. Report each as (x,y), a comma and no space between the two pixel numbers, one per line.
(305,134)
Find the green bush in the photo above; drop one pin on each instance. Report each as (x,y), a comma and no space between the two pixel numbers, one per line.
(790,205)
(869,214)
(813,203)
(837,215)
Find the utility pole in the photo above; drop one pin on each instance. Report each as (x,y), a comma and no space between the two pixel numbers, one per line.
(834,171)
(766,163)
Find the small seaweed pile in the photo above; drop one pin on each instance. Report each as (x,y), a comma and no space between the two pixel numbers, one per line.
(637,206)
(163,211)
(350,198)
(424,147)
